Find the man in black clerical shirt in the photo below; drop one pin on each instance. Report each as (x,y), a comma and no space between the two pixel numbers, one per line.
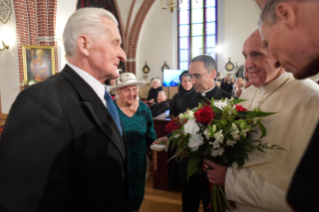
(202,72)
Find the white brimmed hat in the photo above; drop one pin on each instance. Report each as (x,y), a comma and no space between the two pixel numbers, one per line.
(126,79)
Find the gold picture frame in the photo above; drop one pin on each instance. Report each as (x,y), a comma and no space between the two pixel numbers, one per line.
(38,62)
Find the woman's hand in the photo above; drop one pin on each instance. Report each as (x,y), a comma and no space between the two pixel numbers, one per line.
(151,101)
(162,140)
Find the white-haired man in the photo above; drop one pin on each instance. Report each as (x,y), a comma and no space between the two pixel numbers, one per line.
(261,185)
(62,148)
(290,30)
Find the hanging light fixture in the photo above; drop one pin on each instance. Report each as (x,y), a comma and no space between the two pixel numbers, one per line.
(171,4)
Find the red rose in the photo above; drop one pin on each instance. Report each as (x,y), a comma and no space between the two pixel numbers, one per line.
(240,108)
(173,125)
(204,115)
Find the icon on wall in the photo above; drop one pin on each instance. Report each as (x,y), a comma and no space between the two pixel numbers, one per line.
(38,62)
(146,69)
(229,66)
(165,66)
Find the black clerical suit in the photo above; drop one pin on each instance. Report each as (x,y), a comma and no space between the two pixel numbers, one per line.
(198,186)
(303,192)
(61,150)
(160,108)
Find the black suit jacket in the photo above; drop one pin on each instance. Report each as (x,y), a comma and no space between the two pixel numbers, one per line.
(60,150)
(191,99)
(303,192)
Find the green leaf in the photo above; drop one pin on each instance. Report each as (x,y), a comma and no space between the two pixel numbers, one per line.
(262,129)
(217,110)
(237,101)
(192,167)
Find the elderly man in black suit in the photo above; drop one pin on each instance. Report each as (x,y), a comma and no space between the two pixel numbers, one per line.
(63,148)
(202,72)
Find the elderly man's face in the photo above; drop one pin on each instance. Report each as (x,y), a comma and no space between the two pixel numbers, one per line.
(105,52)
(201,79)
(161,97)
(128,94)
(288,41)
(260,67)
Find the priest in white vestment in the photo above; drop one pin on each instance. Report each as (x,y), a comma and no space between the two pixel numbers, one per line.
(261,185)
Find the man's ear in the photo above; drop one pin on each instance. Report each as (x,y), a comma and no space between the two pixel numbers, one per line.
(214,73)
(84,44)
(286,14)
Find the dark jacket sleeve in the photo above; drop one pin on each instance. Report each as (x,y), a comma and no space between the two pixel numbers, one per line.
(303,192)
(35,136)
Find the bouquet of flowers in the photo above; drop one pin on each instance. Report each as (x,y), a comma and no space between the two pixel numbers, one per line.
(218,131)
(28,83)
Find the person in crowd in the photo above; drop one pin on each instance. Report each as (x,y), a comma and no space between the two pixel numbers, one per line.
(184,87)
(62,147)
(162,104)
(227,84)
(261,185)
(202,71)
(152,94)
(138,126)
(238,87)
(289,31)
(175,105)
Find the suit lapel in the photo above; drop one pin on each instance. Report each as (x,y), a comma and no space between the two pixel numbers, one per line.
(95,108)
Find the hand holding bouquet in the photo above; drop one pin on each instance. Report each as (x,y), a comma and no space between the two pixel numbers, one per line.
(218,131)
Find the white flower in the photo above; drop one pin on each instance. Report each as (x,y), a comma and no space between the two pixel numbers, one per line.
(235,135)
(191,127)
(217,152)
(31,82)
(181,116)
(177,135)
(220,104)
(215,144)
(244,132)
(230,143)
(234,127)
(219,137)
(189,114)
(207,133)
(195,141)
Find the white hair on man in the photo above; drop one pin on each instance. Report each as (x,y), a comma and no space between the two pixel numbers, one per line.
(85,21)
(268,13)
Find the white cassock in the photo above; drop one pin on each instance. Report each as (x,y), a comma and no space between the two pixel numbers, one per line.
(263,182)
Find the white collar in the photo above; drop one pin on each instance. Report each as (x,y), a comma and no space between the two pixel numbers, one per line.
(97,86)
(204,93)
(274,84)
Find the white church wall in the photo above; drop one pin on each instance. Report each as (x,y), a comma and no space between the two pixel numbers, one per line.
(9,63)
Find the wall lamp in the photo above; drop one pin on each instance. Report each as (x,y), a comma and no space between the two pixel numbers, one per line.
(4,46)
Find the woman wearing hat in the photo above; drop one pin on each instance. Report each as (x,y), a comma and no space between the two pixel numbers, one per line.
(139,130)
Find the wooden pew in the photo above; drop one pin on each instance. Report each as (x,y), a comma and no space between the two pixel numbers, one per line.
(3,117)
(160,178)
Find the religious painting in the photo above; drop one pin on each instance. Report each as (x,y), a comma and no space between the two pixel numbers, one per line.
(38,62)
